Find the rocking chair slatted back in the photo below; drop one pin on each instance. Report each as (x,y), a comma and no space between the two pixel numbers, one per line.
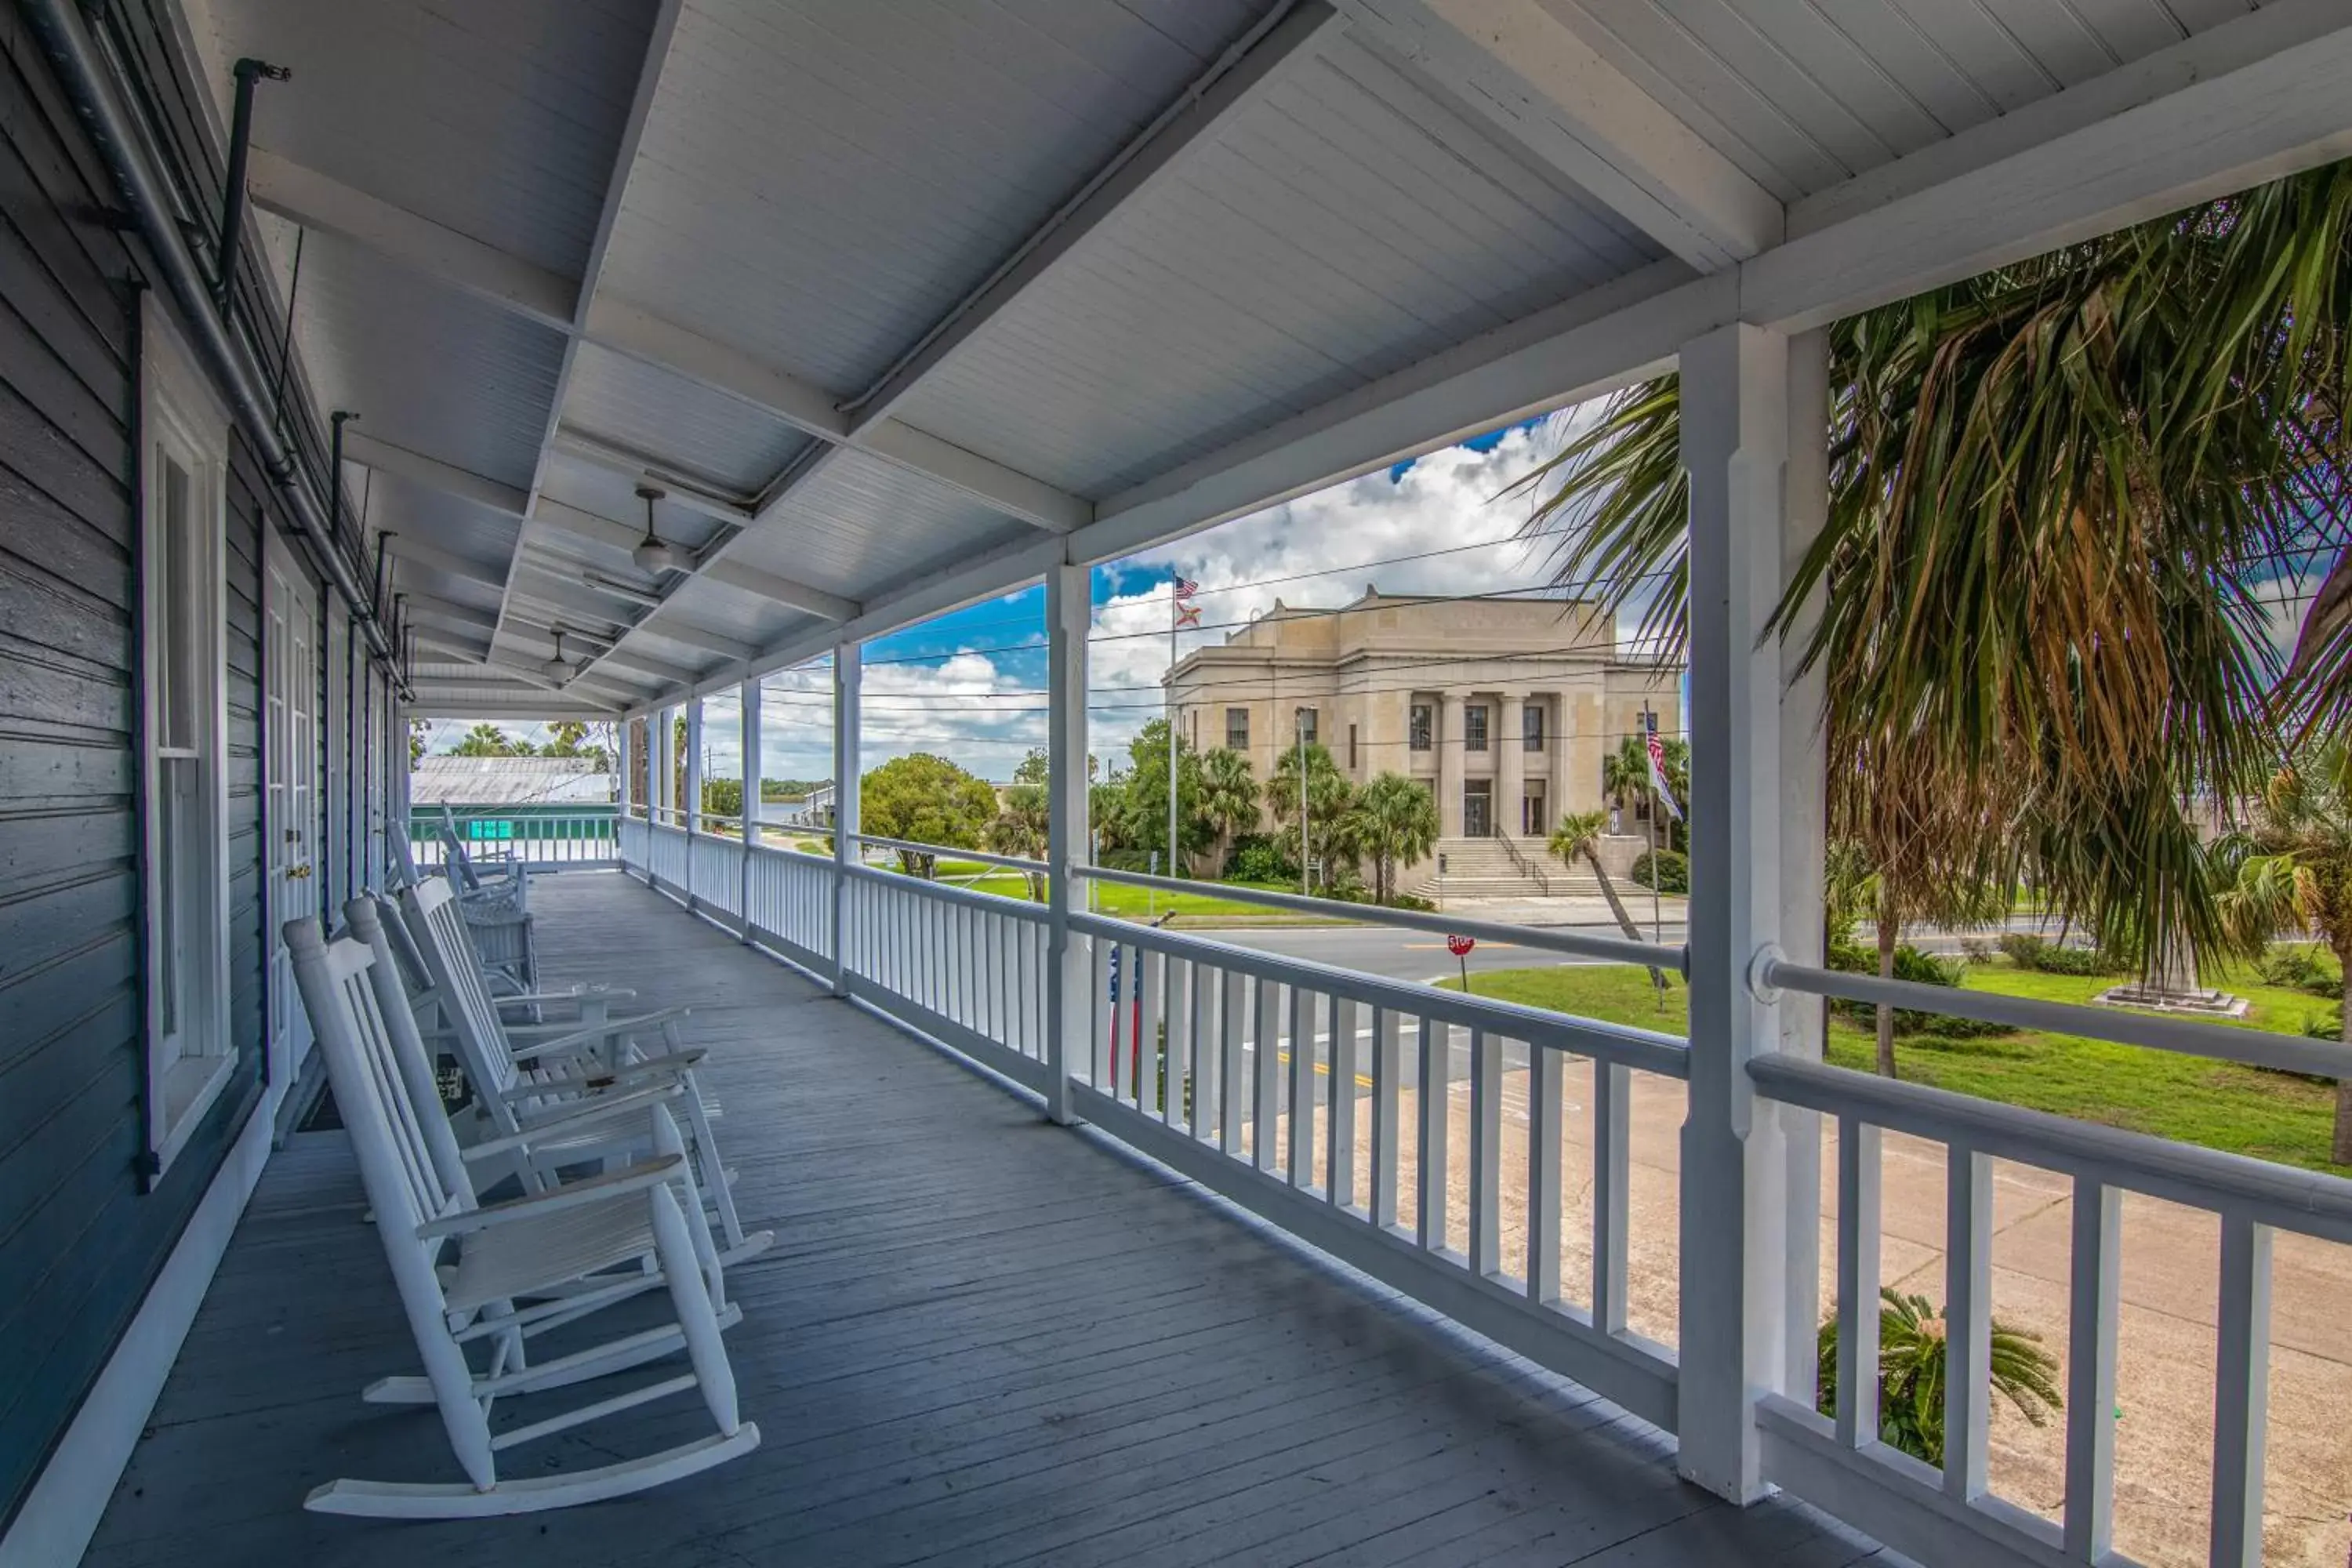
(439,930)
(414,1062)
(404,1184)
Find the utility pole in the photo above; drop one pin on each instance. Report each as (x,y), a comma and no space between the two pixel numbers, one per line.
(1649,728)
(1305,864)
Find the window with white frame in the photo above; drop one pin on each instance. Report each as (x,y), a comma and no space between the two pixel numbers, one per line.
(184,720)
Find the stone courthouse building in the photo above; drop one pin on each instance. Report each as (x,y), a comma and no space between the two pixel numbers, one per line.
(1504,709)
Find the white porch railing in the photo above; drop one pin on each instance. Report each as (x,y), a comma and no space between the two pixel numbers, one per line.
(1424,1136)
(569,841)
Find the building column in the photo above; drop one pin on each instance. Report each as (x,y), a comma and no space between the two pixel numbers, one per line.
(848,678)
(1451,758)
(1510,761)
(1559,791)
(1069,613)
(1735,1333)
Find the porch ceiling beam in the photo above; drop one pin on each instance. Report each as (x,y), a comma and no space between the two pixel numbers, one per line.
(433,473)
(405,550)
(573,307)
(622,538)
(545,588)
(2256,99)
(1287,37)
(530,636)
(1532,70)
(617,185)
(434,611)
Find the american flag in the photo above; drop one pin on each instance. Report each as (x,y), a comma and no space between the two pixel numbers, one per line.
(1658,776)
(1186,589)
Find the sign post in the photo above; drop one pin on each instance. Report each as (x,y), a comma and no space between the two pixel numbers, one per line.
(1460,946)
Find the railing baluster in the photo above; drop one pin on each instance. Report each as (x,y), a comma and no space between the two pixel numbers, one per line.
(1857,1282)
(1301,1163)
(1229,1044)
(1097,1054)
(2241,1386)
(1388,1078)
(1201,1052)
(1485,1153)
(1612,1099)
(1436,1073)
(2091,1322)
(1339,1093)
(1967,1320)
(1178,1069)
(1544,1073)
(1265,1076)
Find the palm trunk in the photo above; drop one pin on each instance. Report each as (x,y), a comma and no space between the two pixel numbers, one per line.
(2341,1151)
(1617,907)
(1888,932)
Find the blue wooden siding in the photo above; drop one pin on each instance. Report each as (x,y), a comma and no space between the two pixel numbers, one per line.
(80,1237)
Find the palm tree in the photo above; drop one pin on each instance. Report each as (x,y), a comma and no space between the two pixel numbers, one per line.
(1394,821)
(1913,1351)
(2057,491)
(1328,797)
(1020,827)
(1228,797)
(2294,870)
(1578,834)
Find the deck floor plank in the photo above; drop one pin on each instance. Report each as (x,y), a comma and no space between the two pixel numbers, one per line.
(978,1340)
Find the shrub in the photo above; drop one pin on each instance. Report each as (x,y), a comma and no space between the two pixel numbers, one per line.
(2298,965)
(1912,1348)
(2029,951)
(1255,857)
(1921,969)
(1673,874)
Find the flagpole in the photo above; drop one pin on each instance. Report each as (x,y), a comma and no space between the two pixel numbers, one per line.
(1650,728)
(1174,599)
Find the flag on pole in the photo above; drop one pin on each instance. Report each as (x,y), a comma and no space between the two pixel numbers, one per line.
(1186,589)
(1658,776)
(1188,615)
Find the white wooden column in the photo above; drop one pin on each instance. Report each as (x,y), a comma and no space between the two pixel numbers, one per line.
(1733,1338)
(664,782)
(749,700)
(693,802)
(1069,611)
(847,678)
(1803,844)
(624,761)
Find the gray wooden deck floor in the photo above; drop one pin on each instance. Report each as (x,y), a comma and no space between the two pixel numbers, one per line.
(978,1340)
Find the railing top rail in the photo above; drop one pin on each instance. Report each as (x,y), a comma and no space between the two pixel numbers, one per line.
(1616,950)
(2309,1201)
(916,886)
(2187,1037)
(785,851)
(950,852)
(1650,1051)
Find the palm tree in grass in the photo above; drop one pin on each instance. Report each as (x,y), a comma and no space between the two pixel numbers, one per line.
(1578,836)
(1393,821)
(2292,869)
(1913,1351)
(2060,495)
(1228,797)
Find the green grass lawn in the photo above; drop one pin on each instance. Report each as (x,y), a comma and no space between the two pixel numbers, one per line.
(2245,1111)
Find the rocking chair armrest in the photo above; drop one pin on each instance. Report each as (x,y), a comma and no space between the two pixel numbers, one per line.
(615,993)
(584,1039)
(635,1178)
(670,1065)
(570,1116)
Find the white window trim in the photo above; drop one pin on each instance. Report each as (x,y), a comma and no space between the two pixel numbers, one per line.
(184,1081)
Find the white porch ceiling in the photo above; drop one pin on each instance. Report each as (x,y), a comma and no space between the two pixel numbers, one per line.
(900,301)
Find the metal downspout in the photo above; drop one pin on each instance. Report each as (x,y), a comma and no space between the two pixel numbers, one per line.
(73,55)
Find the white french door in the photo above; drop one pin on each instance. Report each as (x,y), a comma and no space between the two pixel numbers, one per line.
(290,719)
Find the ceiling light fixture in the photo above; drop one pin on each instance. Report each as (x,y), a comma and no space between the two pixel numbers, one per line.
(559,667)
(652,554)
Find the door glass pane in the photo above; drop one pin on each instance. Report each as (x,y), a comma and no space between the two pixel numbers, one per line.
(175,612)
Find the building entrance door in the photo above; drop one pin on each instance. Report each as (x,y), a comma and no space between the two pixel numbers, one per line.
(1532,818)
(1478,808)
(290,787)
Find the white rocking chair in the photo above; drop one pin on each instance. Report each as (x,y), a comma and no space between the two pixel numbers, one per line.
(523,1086)
(540,1245)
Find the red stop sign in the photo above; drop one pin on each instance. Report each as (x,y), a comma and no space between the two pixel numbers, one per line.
(1460,946)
